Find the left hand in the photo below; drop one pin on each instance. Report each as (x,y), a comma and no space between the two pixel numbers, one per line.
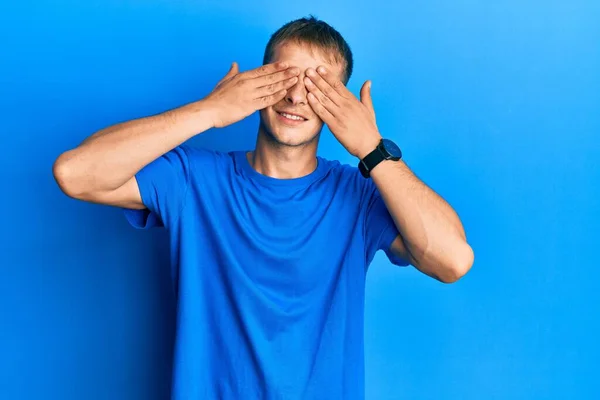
(351,121)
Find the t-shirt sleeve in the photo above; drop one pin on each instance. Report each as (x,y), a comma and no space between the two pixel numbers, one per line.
(380,228)
(163,185)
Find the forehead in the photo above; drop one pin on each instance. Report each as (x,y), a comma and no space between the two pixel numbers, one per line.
(304,55)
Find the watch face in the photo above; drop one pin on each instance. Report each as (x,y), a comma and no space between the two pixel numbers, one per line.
(392,148)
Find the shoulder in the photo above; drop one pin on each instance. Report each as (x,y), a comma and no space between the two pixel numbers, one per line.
(348,175)
(336,167)
(200,157)
(196,153)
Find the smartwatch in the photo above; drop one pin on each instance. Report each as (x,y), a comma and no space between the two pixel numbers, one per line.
(385,150)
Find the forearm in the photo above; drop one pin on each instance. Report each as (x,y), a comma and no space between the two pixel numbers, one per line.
(110,157)
(431,229)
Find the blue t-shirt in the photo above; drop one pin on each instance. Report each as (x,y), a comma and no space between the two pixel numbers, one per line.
(269,273)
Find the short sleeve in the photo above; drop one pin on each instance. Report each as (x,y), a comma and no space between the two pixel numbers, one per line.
(163,186)
(380,228)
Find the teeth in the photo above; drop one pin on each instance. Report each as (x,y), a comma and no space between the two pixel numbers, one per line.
(290,116)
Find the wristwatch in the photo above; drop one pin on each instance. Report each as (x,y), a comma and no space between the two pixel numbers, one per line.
(385,150)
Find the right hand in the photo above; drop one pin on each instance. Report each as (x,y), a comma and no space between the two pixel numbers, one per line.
(238,95)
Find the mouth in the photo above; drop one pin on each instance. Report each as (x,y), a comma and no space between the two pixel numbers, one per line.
(292,119)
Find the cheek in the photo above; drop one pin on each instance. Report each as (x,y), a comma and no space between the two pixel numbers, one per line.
(316,122)
(267,114)
(313,127)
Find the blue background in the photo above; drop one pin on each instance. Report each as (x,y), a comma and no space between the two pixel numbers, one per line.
(496,106)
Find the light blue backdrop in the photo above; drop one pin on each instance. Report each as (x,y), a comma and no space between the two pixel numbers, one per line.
(496,106)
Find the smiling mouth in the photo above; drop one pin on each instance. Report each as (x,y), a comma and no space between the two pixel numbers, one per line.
(291,117)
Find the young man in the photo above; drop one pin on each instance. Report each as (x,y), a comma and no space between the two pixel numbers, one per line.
(271,246)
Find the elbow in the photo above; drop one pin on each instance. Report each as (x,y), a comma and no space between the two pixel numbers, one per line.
(462,264)
(64,175)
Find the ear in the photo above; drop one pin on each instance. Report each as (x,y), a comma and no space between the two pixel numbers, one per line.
(365,97)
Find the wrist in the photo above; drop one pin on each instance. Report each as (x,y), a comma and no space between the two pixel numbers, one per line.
(369,145)
(200,115)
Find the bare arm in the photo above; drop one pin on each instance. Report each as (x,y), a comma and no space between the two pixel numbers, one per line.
(431,237)
(431,234)
(102,168)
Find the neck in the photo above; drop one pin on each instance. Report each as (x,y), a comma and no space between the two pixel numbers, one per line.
(282,161)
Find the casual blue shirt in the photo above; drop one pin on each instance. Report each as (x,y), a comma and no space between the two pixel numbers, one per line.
(269,273)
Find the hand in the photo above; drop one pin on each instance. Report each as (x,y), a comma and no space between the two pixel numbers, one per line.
(351,121)
(238,95)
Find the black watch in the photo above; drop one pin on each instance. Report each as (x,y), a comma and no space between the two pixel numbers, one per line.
(385,150)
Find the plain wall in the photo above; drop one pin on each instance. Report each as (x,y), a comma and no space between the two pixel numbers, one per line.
(496,106)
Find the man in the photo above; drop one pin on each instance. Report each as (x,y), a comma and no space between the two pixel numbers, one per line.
(271,246)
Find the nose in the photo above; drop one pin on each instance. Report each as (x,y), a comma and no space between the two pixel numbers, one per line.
(296,95)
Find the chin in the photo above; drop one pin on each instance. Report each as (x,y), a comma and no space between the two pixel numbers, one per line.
(288,134)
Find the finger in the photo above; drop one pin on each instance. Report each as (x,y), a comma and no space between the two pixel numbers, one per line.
(266,69)
(275,87)
(266,101)
(324,86)
(320,110)
(365,97)
(278,76)
(233,71)
(334,82)
(322,98)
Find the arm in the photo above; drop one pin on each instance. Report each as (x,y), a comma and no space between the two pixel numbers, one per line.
(102,169)
(431,235)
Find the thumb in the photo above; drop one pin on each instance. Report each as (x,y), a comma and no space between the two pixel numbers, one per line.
(233,71)
(365,96)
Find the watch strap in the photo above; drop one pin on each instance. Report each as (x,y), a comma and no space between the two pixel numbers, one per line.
(380,153)
(371,160)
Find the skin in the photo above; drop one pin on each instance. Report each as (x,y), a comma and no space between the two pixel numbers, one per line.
(282,151)
(102,168)
(431,236)
(299,80)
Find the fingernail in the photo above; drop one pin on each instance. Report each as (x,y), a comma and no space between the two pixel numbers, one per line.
(321,70)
